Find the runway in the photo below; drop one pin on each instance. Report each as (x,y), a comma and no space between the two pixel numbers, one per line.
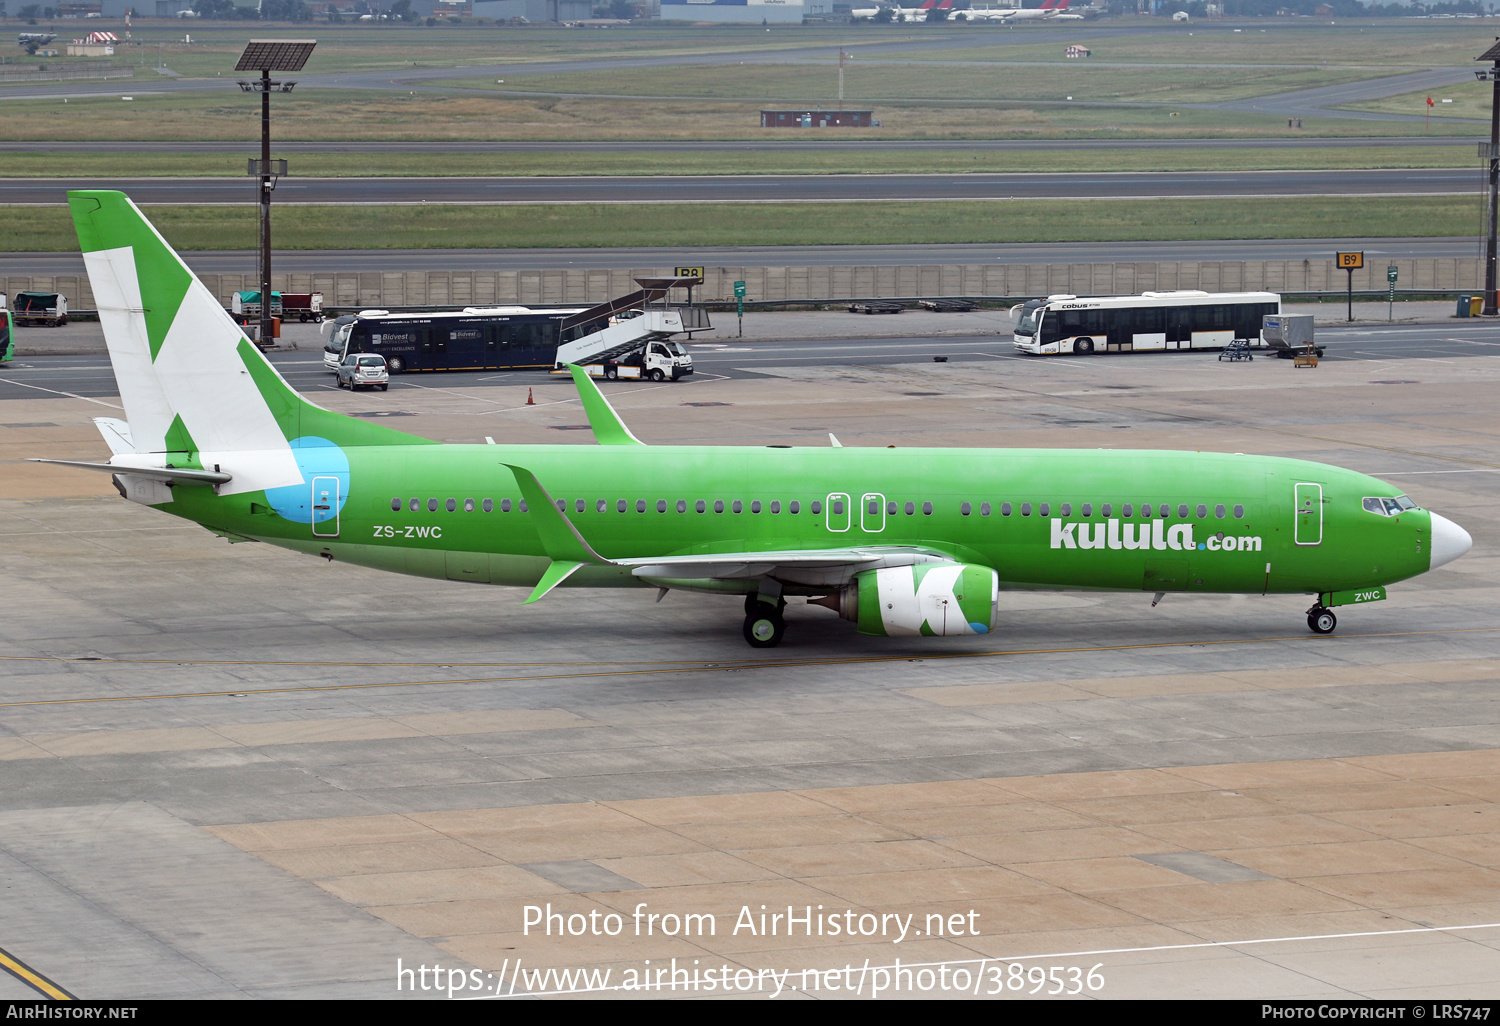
(779,189)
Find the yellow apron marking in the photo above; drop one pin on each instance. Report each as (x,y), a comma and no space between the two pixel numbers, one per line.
(33,979)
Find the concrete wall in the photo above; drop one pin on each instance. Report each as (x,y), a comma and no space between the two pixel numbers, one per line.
(479,288)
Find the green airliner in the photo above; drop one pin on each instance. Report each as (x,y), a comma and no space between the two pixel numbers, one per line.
(900,541)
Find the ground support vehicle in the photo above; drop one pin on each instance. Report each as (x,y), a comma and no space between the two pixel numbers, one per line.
(1291,335)
(1187,319)
(657,360)
(32,308)
(631,337)
(245,306)
(305,306)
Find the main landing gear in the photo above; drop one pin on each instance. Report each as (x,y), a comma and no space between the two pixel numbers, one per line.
(1321,620)
(764,625)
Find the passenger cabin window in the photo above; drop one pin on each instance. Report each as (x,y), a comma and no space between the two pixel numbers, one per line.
(1005,509)
(911,508)
(504,505)
(984,509)
(1025,509)
(1088,509)
(1239,512)
(1219,511)
(1045,509)
(682,505)
(661,505)
(817,507)
(396,505)
(489,505)
(927,509)
(963,508)
(640,505)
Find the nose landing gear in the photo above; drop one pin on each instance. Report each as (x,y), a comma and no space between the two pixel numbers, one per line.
(1321,620)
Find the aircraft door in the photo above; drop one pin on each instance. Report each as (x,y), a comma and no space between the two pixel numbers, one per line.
(872,512)
(325,507)
(838,511)
(1179,327)
(1309,500)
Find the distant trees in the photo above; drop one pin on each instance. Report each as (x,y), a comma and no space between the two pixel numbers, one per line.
(285,10)
(936,14)
(884,16)
(402,9)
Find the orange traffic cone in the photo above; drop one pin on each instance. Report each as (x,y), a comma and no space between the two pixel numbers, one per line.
(529,401)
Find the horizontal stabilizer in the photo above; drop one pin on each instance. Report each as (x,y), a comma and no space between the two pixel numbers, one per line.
(185,476)
(116,434)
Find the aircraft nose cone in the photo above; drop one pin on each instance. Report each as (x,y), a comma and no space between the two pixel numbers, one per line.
(1449,541)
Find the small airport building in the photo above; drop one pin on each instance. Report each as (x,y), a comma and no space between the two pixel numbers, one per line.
(800,118)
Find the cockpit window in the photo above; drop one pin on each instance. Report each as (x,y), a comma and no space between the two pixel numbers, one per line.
(1388,507)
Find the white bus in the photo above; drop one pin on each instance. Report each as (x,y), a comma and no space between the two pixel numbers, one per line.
(1152,320)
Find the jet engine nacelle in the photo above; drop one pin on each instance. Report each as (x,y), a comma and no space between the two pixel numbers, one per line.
(930,599)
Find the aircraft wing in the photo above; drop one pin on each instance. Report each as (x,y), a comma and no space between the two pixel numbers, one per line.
(569,550)
(815,567)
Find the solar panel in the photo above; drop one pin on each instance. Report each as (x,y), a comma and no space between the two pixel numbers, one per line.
(275,54)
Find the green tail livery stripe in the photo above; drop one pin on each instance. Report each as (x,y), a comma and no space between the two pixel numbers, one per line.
(187,374)
(215,435)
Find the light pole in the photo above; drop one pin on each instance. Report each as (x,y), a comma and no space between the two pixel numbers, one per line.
(1491,152)
(266,56)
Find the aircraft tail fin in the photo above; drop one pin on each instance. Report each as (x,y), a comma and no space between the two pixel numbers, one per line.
(190,380)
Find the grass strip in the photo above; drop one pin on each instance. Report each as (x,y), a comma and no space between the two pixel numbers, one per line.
(437,226)
(812,162)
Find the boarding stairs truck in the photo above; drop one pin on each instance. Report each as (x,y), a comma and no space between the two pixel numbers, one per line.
(632,336)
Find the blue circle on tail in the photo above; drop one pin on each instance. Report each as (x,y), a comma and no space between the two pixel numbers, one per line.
(325,483)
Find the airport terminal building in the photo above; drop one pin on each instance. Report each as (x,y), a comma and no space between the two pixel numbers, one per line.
(752,12)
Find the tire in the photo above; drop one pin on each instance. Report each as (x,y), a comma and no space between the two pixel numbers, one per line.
(764,629)
(657,375)
(385,388)
(1083,346)
(395,365)
(611,373)
(1322,621)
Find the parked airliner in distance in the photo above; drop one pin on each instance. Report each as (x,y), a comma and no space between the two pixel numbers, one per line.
(900,541)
